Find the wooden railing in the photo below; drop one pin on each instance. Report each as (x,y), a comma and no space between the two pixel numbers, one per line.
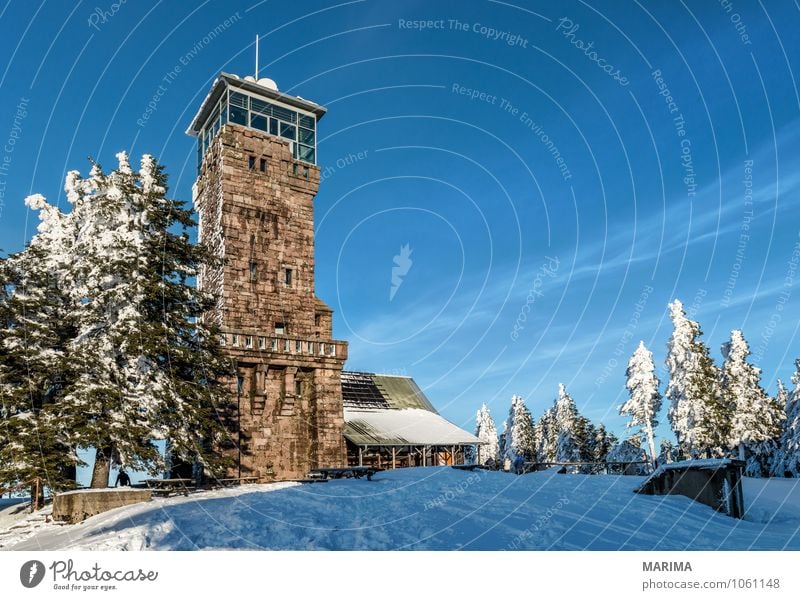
(35,485)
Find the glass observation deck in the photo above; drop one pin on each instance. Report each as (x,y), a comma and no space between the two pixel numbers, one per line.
(257,105)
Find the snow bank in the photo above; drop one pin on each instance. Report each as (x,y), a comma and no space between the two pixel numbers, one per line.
(439,508)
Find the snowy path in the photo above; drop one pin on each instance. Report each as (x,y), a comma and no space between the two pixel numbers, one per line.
(440,508)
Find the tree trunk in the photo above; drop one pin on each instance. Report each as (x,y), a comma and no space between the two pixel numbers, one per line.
(741,450)
(652,443)
(102,468)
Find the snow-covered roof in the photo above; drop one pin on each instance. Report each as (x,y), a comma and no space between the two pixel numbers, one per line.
(703,463)
(403,427)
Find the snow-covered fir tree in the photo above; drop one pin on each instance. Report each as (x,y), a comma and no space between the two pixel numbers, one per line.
(644,402)
(565,411)
(756,418)
(547,436)
(36,325)
(666,453)
(568,450)
(584,434)
(143,367)
(786,461)
(604,442)
(697,413)
(486,432)
(519,434)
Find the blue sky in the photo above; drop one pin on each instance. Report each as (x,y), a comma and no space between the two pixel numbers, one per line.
(641,208)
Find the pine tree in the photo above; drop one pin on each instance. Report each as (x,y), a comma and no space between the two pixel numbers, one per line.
(697,414)
(645,400)
(519,438)
(756,418)
(486,431)
(144,367)
(787,457)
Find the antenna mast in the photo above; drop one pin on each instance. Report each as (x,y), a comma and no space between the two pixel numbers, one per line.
(256,75)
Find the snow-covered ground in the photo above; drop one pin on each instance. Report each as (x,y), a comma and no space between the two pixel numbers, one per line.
(440,508)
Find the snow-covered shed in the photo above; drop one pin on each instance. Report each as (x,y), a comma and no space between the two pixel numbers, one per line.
(389,423)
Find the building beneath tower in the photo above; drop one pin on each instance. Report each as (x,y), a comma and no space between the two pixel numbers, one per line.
(254,196)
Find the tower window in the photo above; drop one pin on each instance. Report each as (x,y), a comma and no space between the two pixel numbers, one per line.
(298,387)
(280,328)
(294,168)
(288,277)
(305,172)
(251,162)
(253,271)
(262,165)
(240,384)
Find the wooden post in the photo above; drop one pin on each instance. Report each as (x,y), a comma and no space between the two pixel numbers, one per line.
(35,499)
(394,457)
(360,457)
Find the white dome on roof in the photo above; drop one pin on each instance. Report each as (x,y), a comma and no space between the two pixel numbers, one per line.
(268,83)
(250,78)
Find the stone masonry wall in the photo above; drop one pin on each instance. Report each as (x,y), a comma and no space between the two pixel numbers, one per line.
(256,212)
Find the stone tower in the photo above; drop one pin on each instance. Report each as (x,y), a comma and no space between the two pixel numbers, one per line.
(254,196)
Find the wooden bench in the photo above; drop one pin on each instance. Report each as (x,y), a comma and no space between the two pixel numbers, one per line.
(165,487)
(343,472)
(227,481)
